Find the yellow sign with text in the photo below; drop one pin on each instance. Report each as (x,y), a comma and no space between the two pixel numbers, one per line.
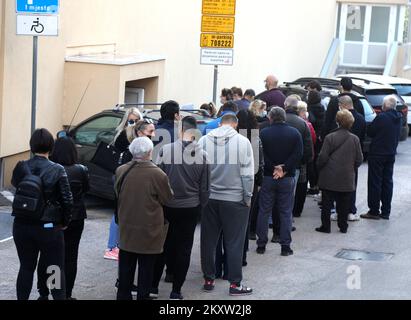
(218,24)
(212,40)
(219,7)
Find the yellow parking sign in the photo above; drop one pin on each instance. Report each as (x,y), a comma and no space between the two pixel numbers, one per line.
(212,40)
(219,7)
(218,24)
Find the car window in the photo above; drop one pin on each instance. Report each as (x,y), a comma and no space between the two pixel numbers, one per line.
(403,89)
(376,97)
(368,111)
(97,130)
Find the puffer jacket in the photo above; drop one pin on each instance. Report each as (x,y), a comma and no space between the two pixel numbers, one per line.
(56,189)
(79,184)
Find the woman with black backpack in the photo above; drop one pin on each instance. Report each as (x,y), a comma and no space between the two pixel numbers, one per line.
(42,210)
(65,154)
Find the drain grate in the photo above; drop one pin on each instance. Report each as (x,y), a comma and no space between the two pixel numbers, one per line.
(357,255)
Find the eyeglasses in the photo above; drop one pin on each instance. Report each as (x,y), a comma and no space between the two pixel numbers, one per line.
(131,122)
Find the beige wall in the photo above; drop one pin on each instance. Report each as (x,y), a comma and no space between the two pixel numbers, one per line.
(402,2)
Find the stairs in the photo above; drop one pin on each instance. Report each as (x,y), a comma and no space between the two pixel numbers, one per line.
(346,70)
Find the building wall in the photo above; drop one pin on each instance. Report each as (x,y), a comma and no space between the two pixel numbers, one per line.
(288,38)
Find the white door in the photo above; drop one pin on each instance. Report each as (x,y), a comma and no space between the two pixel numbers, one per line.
(366,32)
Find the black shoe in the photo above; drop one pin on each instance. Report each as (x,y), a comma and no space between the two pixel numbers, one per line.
(176,296)
(245,263)
(297,215)
(286,251)
(313,192)
(385,217)
(41,298)
(293,229)
(71,299)
(209,286)
(323,230)
(370,216)
(252,236)
(344,231)
(134,289)
(169,278)
(238,291)
(276,238)
(261,250)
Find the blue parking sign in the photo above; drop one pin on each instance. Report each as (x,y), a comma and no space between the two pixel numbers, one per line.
(37,6)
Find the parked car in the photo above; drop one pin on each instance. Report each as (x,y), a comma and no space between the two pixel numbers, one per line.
(330,90)
(101,127)
(402,85)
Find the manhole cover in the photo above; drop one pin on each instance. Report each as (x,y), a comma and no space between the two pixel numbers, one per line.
(357,255)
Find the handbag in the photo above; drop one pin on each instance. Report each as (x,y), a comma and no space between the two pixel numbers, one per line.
(109,157)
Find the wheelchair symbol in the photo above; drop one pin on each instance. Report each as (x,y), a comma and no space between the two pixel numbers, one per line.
(37,26)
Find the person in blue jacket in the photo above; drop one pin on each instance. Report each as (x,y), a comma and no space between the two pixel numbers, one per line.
(228,108)
(385,133)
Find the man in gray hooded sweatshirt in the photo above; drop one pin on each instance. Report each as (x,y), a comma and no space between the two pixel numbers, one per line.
(232,181)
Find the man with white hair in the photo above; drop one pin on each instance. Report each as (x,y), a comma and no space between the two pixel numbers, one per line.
(141,189)
(385,133)
(273,97)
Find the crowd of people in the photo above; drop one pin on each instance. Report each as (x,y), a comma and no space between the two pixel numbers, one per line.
(247,171)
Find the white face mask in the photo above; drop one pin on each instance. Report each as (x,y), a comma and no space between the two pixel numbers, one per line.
(263,114)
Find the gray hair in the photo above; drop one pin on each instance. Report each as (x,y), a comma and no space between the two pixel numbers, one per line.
(141,148)
(291,103)
(346,101)
(390,102)
(277,115)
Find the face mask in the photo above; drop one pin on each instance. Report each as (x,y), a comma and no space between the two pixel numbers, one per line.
(263,114)
(131,123)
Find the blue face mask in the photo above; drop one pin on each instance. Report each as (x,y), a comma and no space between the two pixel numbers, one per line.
(263,114)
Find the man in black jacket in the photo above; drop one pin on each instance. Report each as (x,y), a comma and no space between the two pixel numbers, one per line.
(385,133)
(333,106)
(359,129)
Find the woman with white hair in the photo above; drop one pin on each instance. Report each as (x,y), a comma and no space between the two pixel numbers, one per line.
(125,134)
(142,189)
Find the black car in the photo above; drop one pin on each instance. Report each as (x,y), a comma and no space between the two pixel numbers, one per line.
(102,128)
(328,92)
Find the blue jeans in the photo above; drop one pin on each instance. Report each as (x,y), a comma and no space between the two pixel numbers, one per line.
(113,238)
(281,194)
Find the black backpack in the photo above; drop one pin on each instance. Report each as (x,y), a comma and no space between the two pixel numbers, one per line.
(29,202)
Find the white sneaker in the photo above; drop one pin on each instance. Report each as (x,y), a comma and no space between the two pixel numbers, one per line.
(354,217)
(334,217)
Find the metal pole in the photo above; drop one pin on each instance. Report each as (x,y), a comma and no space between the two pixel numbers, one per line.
(34,85)
(215,85)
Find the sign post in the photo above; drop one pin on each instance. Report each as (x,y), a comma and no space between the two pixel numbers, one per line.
(36,18)
(217,36)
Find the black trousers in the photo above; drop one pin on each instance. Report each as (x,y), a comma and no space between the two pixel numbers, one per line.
(32,240)
(72,237)
(300,197)
(127,270)
(178,245)
(252,222)
(343,202)
(312,170)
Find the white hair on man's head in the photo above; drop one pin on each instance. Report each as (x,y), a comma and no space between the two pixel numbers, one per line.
(141,148)
(390,102)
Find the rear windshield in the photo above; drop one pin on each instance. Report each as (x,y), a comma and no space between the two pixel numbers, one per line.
(403,89)
(376,97)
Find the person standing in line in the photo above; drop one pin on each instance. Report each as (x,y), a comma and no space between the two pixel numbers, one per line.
(241,102)
(166,127)
(143,228)
(283,151)
(273,96)
(232,182)
(340,158)
(359,129)
(210,108)
(125,134)
(228,108)
(259,108)
(385,133)
(41,231)
(185,164)
(249,94)
(65,154)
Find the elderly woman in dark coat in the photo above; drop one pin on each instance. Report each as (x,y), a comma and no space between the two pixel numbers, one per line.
(338,161)
(142,189)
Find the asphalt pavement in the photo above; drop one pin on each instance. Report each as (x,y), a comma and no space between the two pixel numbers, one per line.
(314,272)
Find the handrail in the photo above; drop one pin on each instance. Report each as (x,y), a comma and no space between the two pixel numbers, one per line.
(391,58)
(329,61)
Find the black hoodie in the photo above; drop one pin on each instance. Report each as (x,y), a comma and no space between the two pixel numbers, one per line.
(333,108)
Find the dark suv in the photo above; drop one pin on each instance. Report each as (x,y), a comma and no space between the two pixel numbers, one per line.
(330,90)
(102,128)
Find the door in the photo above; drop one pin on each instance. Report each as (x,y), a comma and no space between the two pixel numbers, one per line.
(366,33)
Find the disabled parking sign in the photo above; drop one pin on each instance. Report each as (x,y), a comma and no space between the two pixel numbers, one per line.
(37,6)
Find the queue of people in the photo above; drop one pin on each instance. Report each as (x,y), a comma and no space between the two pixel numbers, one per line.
(248,170)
